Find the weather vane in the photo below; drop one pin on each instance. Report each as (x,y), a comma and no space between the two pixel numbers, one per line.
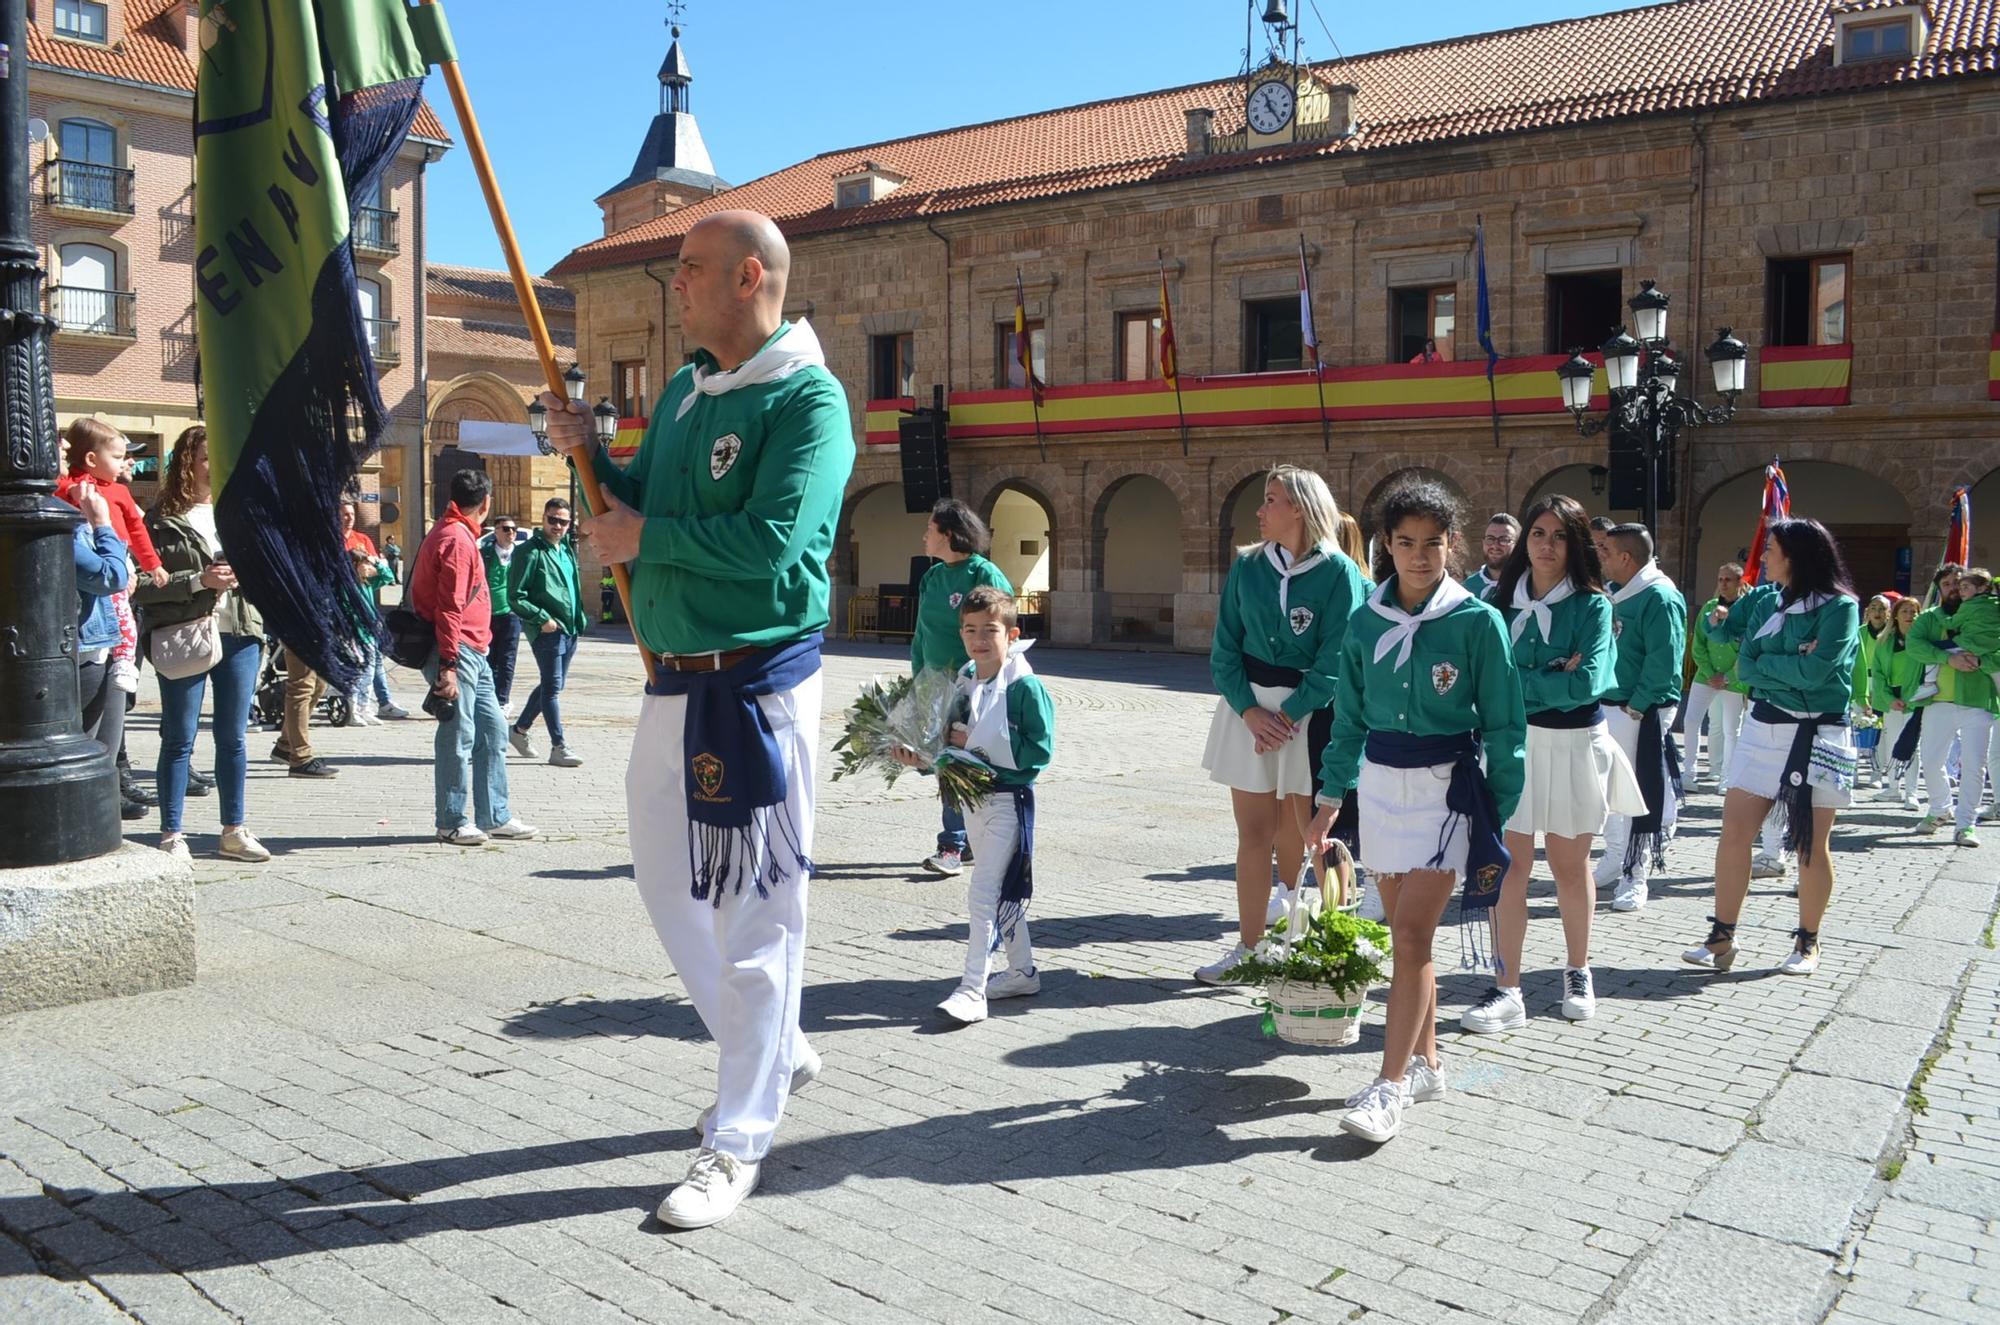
(676,15)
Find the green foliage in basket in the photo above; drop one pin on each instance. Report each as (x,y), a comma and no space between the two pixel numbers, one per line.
(1334,948)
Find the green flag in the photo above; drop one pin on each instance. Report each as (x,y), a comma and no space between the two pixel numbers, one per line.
(300,105)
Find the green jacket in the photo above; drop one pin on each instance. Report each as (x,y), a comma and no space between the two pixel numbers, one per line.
(1650,625)
(1460,677)
(1864,667)
(1974,628)
(184,556)
(740,496)
(1713,653)
(498,576)
(1894,673)
(1772,665)
(1031,728)
(546,585)
(1477,584)
(1301,631)
(1580,624)
(935,642)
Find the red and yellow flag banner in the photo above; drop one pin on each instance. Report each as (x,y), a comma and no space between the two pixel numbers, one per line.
(1525,385)
(626,445)
(1793,375)
(1993,369)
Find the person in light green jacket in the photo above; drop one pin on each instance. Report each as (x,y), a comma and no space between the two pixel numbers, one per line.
(1958,642)
(1715,693)
(1799,634)
(1894,678)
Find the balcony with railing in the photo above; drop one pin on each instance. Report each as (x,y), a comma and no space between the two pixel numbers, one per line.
(86,189)
(108,314)
(375,231)
(384,340)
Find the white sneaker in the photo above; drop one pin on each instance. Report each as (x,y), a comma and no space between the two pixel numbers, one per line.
(1212,973)
(1764,866)
(513,831)
(125,675)
(1579,994)
(1888,793)
(465,835)
(1912,802)
(1013,984)
(715,1185)
(394,713)
(560,757)
(1371,901)
(1423,1083)
(1280,907)
(177,847)
(1376,1114)
(1500,1010)
(241,844)
(964,1006)
(524,746)
(945,862)
(804,1073)
(1630,895)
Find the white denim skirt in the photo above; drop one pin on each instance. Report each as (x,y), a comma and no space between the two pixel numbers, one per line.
(1757,764)
(1403,818)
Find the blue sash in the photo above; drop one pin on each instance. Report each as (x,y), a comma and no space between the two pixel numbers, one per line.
(734,767)
(1017,886)
(1469,800)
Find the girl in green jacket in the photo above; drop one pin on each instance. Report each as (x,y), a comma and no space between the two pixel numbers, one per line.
(1894,675)
(1800,634)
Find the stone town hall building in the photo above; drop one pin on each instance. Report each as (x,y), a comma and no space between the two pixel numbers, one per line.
(1820,178)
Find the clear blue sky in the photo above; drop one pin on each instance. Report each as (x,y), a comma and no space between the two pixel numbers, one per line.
(564,92)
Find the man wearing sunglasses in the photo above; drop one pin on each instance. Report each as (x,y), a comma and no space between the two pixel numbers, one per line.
(497,550)
(548,599)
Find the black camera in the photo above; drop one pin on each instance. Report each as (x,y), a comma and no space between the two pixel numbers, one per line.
(444,710)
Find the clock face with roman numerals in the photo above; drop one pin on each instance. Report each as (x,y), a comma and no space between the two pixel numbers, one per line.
(1271,107)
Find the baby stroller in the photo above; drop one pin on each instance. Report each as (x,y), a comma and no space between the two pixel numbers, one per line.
(267,703)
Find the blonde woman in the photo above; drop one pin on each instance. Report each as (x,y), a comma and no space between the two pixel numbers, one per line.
(1278,632)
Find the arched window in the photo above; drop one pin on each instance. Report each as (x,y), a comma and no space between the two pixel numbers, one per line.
(85,173)
(87,299)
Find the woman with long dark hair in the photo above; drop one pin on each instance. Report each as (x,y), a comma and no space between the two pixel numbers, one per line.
(200,583)
(1799,632)
(959,540)
(1278,629)
(1551,595)
(1425,695)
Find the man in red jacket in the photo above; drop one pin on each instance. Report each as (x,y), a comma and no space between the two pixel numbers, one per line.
(448,589)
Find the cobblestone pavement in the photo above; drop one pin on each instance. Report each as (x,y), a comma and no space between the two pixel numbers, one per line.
(419,1082)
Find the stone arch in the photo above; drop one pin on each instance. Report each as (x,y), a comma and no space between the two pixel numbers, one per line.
(1019,513)
(492,398)
(1464,548)
(1576,479)
(876,538)
(1372,473)
(1138,555)
(1869,518)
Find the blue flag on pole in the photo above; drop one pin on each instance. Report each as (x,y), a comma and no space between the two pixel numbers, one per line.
(1485,304)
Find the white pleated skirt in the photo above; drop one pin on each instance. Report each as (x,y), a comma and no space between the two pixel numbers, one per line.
(1232,759)
(1403,817)
(1577,777)
(1757,764)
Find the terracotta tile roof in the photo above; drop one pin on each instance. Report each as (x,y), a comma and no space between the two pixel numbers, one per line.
(1670,58)
(493,287)
(487,340)
(150,52)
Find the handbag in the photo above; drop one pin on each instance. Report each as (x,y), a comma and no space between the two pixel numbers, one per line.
(191,648)
(408,639)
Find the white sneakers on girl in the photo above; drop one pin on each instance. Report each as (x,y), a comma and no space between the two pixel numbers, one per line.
(1013,984)
(241,844)
(964,1006)
(1500,1010)
(1212,973)
(1376,1114)
(715,1185)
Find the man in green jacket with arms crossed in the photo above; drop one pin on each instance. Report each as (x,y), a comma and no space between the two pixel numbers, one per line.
(727,517)
(548,600)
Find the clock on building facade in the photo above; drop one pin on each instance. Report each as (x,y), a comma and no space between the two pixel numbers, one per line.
(1271,106)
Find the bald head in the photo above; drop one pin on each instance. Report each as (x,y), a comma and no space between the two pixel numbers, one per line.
(743,234)
(734,266)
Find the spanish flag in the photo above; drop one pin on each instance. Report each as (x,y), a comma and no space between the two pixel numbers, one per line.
(1024,344)
(299,107)
(1169,369)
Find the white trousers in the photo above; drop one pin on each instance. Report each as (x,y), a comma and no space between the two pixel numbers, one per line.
(1973,729)
(1724,710)
(741,957)
(1892,730)
(1624,729)
(994,831)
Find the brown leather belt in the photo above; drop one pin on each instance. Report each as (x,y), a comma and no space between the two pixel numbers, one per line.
(703,662)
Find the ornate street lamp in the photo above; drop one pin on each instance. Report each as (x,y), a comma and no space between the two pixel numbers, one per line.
(573,381)
(604,421)
(1643,375)
(538,424)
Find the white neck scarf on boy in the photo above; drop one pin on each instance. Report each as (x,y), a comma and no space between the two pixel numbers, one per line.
(1449,594)
(1527,605)
(986,733)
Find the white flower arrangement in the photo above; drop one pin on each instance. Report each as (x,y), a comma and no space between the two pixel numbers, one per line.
(1335,949)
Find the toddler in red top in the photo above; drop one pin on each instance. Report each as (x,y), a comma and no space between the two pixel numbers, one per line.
(94,452)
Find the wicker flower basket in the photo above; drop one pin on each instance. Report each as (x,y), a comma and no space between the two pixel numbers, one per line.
(1315,1015)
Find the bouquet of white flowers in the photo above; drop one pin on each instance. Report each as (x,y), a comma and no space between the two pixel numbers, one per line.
(912,713)
(1316,966)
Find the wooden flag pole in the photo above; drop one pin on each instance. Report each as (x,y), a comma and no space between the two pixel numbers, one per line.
(538,329)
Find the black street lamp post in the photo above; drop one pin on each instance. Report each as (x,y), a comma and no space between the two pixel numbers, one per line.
(1643,374)
(58,788)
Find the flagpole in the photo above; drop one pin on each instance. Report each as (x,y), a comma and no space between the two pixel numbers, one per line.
(1170,346)
(1486,329)
(531,311)
(1311,338)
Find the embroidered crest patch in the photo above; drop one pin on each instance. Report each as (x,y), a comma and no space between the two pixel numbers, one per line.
(707,776)
(957,598)
(1444,676)
(1302,619)
(722,456)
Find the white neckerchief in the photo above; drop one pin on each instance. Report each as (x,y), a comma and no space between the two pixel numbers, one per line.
(1527,605)
(1281,561)
(1650,573)
(1449,594)
(1488,578)
(1773,623)
(794,348)
(986,732)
